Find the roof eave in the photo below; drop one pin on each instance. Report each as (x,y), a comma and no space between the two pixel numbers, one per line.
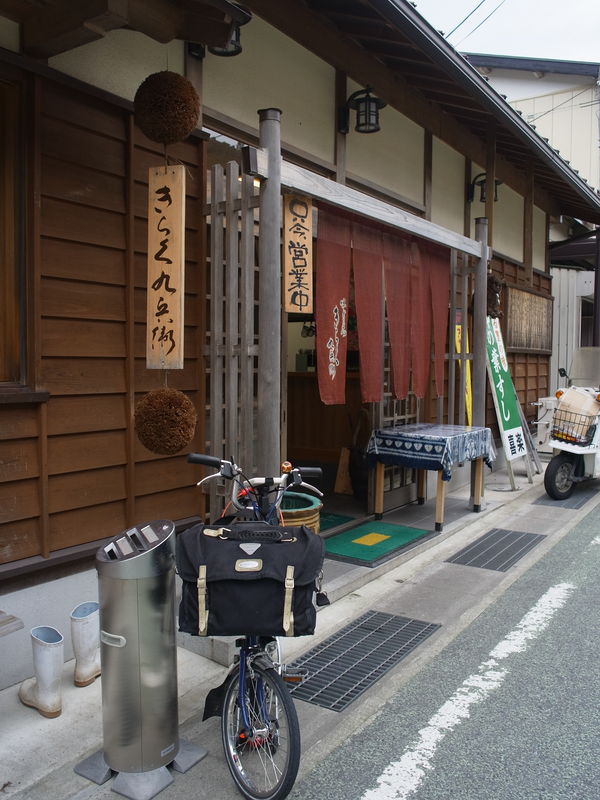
(435,46)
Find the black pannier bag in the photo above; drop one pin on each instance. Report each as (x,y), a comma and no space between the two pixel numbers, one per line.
(249,579)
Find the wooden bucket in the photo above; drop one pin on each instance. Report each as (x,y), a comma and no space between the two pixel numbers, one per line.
(302,509)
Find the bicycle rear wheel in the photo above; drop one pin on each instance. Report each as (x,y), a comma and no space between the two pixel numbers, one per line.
(263,759)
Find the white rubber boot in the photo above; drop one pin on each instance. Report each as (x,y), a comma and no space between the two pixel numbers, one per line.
(85,635)
(43,691)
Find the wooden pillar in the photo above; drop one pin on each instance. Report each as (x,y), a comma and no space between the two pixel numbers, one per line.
(268,454)
(479,325)
(490,182)
(528,226)
(341,89)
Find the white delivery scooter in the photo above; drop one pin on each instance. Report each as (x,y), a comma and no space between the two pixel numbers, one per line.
(575,428)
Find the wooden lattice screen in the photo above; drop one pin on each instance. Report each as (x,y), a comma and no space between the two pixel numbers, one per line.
(232,335)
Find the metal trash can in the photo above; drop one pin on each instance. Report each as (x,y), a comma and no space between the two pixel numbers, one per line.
(136,584)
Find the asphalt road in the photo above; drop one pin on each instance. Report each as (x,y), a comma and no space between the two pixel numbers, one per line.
(509,709)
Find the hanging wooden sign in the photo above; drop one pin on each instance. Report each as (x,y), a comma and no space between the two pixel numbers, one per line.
(166,265)
(297,254)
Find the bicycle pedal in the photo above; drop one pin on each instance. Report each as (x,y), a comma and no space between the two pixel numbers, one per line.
(294,675)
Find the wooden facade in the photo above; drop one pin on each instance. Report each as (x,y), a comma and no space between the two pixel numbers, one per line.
(72,471)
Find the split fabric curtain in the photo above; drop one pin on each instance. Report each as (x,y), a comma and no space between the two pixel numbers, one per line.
(412,275)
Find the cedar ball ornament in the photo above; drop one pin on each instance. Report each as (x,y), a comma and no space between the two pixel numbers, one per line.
(165,421)
(166,107)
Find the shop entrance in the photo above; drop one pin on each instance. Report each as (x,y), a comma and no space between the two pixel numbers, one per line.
(334,437)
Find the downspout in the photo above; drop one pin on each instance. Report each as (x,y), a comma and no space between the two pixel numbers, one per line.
(596,317)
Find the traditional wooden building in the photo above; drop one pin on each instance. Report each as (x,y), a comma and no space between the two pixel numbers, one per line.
(447,150)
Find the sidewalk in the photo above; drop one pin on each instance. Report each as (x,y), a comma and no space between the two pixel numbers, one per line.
(38,754)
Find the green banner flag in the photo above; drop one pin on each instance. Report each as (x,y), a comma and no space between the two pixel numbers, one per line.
(503,392)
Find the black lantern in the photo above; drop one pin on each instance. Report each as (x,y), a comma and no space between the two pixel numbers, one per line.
(234,45)
(367,108)
(481,181)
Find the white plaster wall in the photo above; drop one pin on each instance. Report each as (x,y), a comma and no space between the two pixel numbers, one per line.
(508,223)
(120,61)
(9,35)
(566,323)
(447,187)
(273,71)
(392,158)
(569,120)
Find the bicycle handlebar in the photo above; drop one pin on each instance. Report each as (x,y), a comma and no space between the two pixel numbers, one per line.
(281,484)
(208,461)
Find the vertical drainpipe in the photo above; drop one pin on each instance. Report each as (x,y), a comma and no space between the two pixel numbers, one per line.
(479,323)
(596,317)
(596,312)
(268,426)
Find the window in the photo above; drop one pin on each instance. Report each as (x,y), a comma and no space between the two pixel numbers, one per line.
(11,301)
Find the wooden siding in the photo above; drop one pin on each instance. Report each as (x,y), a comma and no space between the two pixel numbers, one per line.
(72,470)
(530,369)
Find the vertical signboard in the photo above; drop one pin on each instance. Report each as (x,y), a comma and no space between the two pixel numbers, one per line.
(297,254)
(503,392)
(166,263)
(458,345)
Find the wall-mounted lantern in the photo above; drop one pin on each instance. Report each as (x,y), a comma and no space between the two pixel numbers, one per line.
(367,108)
(481,181)
(234,45)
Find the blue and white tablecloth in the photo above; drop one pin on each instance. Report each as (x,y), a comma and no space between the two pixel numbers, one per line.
(427,446)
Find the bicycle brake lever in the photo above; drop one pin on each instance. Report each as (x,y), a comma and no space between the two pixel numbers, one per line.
(208,478)
(312,488)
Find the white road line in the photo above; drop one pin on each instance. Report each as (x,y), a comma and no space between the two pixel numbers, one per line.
(401,778)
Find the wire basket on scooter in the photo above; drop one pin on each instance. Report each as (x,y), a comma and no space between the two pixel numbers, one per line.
(572,428)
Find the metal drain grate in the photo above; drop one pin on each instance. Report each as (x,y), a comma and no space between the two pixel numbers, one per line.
(578,499)
(346,664)
(498,549)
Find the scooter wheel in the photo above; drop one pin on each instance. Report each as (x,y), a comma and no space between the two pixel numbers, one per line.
(558,478)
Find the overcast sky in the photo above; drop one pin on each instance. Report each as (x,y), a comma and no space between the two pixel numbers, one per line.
(551,29)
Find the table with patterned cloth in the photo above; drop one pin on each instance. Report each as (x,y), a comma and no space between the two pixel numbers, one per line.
(426,446)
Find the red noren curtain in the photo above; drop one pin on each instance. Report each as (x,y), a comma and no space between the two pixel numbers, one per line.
(331,305)
(367,251)
(439,282)
(397,266)
(420,321)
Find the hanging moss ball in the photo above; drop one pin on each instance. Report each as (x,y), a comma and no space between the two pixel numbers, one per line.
(165,421)
(166,107)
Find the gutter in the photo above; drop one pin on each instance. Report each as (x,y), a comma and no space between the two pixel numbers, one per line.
(406,19)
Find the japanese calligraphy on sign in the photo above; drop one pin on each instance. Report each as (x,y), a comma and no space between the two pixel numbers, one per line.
(340,331)
(297,254)
(166,251)
(503,392)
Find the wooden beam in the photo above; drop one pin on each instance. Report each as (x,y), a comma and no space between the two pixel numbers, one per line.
(427,172)
(307,182)
(53,28)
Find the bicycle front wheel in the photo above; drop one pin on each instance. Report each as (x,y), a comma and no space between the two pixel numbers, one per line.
(263,750)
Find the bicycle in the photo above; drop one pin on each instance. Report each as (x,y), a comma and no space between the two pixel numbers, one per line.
(259,723)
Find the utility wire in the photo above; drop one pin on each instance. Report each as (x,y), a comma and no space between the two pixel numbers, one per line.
(462,22)
(501,3)
(550,110)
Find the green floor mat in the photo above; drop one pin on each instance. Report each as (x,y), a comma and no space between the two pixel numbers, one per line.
(371,543)
(332,520)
